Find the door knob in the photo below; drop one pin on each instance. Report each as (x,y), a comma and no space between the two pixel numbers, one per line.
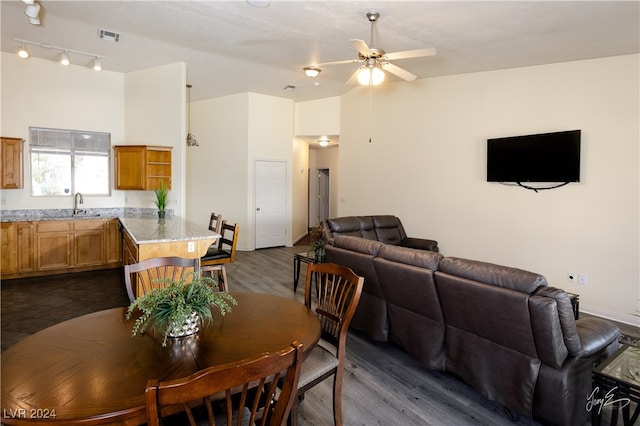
(258,209)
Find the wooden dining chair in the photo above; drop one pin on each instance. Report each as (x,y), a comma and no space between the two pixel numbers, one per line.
(240,392)
(140,278)
(334,299)
(215,222)
(218,256)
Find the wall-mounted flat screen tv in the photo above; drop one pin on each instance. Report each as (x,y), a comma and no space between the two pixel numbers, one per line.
(546,157)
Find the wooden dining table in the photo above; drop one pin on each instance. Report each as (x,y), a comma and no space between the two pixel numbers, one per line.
(91,367)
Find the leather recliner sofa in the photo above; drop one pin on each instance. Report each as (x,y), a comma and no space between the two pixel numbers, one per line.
(373,232)
(502,330)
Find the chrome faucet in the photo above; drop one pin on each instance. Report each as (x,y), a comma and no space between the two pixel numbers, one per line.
(75,203)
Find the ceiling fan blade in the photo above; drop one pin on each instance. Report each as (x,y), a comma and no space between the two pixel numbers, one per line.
(396,70)
(346,61)
(362,47)
(430,51)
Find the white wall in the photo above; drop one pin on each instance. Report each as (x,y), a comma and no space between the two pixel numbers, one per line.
(41,93)
(426,163)
(155,105)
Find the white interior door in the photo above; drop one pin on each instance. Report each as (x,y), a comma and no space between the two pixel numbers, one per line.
(271,203)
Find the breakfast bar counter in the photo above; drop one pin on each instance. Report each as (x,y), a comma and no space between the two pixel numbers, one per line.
(143,238)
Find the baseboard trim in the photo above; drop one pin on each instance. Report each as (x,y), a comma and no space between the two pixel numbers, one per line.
(629,319)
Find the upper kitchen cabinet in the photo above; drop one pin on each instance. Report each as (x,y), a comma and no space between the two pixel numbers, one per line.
(142,166)
(12,163)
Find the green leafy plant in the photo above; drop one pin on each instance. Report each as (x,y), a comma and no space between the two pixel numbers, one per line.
(162,196)
(163,308)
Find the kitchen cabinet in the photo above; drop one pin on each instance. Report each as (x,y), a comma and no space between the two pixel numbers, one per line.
(11,162)
(113,239)
(53,245)
(8,252)
(59,246)
(26,247)
(142,167)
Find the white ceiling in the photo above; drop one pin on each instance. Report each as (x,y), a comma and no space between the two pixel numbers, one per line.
(231,47)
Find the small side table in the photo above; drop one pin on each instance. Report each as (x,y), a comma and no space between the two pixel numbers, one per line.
(616,383)
(306,257)
(575,304)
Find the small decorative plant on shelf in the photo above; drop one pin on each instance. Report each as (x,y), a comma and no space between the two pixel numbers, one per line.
(162,198)
(175,309)
(318,241)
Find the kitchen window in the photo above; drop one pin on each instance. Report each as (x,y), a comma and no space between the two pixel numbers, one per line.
(64,162)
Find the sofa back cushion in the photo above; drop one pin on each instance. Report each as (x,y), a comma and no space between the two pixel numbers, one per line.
(388,229)
(497,275)
(355,226)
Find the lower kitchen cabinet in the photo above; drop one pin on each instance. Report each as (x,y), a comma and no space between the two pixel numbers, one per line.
(59,246)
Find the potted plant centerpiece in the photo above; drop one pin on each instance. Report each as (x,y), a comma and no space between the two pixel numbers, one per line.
(318,242)
(176,309)
(162,198)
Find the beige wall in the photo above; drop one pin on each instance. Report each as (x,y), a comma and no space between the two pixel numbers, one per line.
(41,93)
(234,132)
(324,158)
(143,107)
(155,105)
(426,163)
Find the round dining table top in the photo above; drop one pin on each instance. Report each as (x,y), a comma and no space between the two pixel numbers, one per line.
(91,368)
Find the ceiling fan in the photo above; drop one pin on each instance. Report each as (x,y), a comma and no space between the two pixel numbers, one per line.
(374,60)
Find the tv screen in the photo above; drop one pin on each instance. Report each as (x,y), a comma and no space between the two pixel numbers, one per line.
(546,157)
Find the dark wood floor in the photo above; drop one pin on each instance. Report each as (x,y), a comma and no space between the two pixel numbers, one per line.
(382,386)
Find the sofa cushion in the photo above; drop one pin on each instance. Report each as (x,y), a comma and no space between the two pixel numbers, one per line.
(388,229)
(409,256)
(355,226)
(357,244)
(497,275)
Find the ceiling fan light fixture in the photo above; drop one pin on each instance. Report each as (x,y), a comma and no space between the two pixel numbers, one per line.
(312,72)
(370,76)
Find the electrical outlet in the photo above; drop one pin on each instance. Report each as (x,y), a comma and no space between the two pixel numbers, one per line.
(582,279)
(571,277)
(191,246)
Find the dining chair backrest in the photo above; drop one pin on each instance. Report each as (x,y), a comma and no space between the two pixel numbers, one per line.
(215,222)
(140,278)
(334,299)
(225,252)
(238,391)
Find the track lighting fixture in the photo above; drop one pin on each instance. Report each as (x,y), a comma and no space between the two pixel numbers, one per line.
(32,11)
(64,56)
(312,72)
(23,52)
(64,59)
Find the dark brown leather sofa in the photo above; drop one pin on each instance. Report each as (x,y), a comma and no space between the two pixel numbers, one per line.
(502,330)
(373,232)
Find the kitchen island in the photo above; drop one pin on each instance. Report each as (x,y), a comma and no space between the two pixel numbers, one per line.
(144,238)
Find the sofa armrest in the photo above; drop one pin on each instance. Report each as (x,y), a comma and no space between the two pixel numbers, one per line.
(595,335)
(419,243)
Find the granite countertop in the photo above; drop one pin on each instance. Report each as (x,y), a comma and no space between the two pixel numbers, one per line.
(142,224)
(154,230)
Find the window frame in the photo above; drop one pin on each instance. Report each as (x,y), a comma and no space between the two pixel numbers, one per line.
(71,144)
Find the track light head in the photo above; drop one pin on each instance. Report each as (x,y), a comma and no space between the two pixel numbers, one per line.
(23,52)
(64,59)
(32,11)
(97,65)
